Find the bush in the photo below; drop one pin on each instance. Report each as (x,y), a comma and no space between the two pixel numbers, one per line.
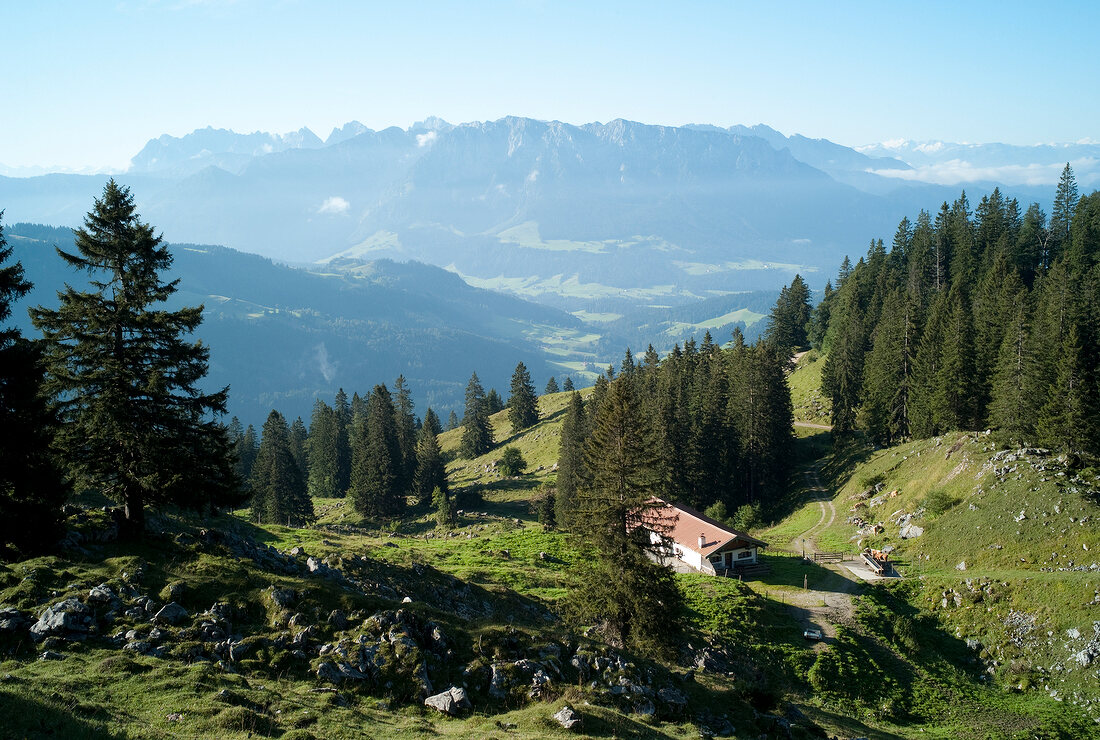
(747,516)
(717,511)
(511,461)
(938,501)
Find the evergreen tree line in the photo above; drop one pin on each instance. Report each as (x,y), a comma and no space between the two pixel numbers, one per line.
(972,319)
(372,449)
(721,422)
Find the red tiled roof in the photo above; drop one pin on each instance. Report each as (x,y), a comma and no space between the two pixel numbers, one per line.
(684,525)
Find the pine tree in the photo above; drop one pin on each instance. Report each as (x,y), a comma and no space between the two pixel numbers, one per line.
(1067,420)
(299,440)
(376,468)
(244,453)
(888,372)
(345,423)
(322,453)
(477,433)
(955,381)
(452,420)
(278,492)
(444,508)
(1061,217)
(636,600)
(570,460)
(523,404)
(494,404)
(1013,406)
(431,472)
(790,317)
(431,421)
(567,386)
(552,386)
(136,426)
(32,489)
(405,424)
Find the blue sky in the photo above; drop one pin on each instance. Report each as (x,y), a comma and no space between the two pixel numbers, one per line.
(86,84)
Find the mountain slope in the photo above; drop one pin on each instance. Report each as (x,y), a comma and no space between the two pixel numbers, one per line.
(280,337)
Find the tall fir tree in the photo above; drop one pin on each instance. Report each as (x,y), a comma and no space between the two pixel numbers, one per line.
(477,433)
(136,426)
(279,493)
(567,386)
(431,471)
(570,461)
(32,488)
(636,600)
(299,441)
(452,421)
(344,418)
(1013,406)
(405,423)
(1067,420)
(1061,217)
(552,386)
(376,468)
(322,452)
(523,404)
(431,421)
(494,404)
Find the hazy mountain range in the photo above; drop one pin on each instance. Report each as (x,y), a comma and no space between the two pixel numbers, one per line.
(568,215)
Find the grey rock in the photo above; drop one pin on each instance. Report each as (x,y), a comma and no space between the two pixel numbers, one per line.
(101,594)
(51,655)
(451,701)
(910,531)
(283,597)
(171,613)
(140,647)
(961,565)
(645,708)
(69,615)
(568,718)
(338,619)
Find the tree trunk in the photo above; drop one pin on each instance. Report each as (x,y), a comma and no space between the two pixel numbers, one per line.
(132,526)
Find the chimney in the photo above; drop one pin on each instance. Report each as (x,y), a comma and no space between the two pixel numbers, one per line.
(702,541)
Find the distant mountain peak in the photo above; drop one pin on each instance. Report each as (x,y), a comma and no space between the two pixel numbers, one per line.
(431,123)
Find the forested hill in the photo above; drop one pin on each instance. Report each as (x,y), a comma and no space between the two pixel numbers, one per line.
(281,336)
(977,316)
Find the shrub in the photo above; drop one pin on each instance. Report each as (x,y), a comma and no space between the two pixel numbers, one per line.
(938,501)
(511,461)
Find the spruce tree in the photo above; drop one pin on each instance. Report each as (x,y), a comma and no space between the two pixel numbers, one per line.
(1061,217)
(431,472)
(955,382)
(136,426)
(570,461)
(344,426)
(1013,405)
(552,386)
(636,600)
(244,454)
(405,423)
(299,440)
(494,404)
(477,433)
(1067,420)
(523,404)
(376,468)
(278,491)
(431,421)
(567,386)
(322,452)
(452,421)
(32,488)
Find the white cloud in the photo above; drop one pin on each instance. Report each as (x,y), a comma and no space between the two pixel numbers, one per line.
(423,140)
(334,204)
(958,171)
(533,176)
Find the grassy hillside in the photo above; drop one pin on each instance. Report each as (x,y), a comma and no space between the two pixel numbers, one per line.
(810,404)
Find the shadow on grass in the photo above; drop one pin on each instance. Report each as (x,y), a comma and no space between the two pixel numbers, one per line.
(543,421)
(794,572)
(27,717)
